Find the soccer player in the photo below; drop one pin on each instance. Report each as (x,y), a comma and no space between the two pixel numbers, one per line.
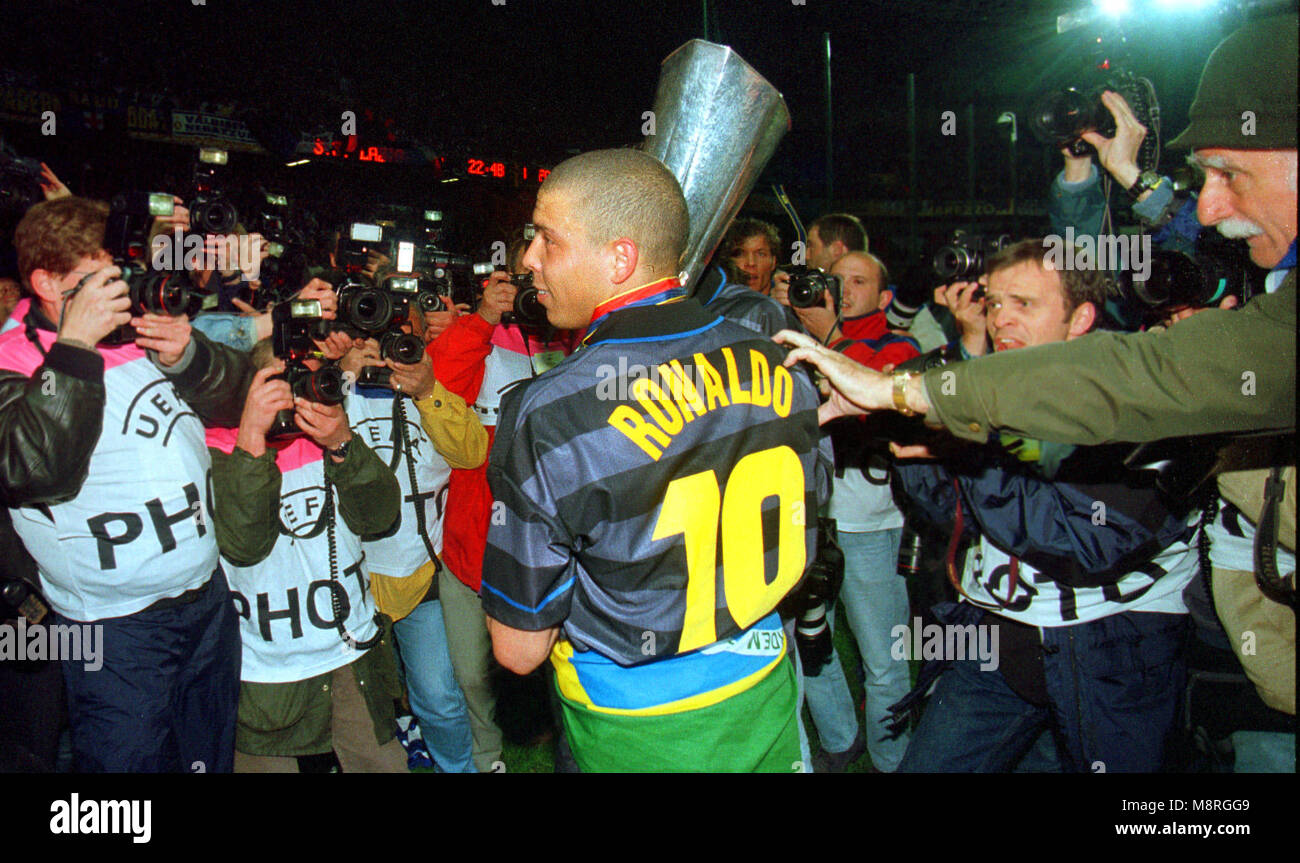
(656,494)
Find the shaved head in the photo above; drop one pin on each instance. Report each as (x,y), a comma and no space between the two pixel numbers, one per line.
(625,193)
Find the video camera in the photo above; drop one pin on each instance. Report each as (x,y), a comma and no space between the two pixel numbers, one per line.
(965,257)
(211,209)
(126,238)
(809,286)
(1060,118)
(295,327)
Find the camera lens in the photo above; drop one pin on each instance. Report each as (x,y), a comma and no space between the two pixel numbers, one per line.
(431,302)
(1060,117)
(368,310)
(1175,280)
(910,551)
(528,309)
(528,306)
(159,294)
(323,386)
(214,216)
(402,347)
(953,262)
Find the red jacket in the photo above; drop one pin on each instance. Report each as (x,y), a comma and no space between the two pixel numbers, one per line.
(460,356)
(871,342)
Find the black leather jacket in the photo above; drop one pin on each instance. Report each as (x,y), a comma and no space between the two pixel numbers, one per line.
(50,422)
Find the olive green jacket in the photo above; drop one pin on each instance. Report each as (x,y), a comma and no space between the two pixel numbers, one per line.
(295,718)
(1218,371)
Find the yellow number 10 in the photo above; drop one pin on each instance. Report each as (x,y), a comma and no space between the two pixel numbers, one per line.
(692,506)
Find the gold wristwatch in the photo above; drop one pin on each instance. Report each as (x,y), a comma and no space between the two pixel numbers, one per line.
(900,393)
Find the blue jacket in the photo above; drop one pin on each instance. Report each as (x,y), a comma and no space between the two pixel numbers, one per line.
(1052,524)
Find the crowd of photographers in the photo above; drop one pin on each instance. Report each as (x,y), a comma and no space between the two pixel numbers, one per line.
(255,458)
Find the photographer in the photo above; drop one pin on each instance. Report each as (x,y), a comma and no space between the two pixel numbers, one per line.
(1077,197)
(1219,371)
(1086,610)
(751,245)
(123,545)
(315,673)
(404,564)
(869,529)
(479,358)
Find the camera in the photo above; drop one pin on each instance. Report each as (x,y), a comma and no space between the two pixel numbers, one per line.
(211,210)
(450,275)
(809,286)
(285,268)
(528,310)
(375,376)
(965,257)
(910,294)
(933,359)
(811,602)
(1060,118)
(1216,270)
(295,325)
(366,311)
(126,238)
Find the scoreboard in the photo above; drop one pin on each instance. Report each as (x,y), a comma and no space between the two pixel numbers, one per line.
(351,149)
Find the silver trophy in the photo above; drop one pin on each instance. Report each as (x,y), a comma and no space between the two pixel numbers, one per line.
(716,123)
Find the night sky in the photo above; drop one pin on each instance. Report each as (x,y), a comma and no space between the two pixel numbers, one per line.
(533,80)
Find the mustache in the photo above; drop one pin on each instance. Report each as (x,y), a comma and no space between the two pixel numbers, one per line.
(1238,229)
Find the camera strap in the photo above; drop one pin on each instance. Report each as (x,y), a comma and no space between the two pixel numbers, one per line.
(1271,583)
(336,588)
(402,447)
(950,561)
(31,329)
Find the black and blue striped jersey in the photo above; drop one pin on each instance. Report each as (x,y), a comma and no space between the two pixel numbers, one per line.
(657,491)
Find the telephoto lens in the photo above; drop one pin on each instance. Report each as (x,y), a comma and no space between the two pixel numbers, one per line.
(910,548)
(812,632)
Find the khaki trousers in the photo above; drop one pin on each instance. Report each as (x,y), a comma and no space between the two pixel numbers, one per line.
(471,651)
